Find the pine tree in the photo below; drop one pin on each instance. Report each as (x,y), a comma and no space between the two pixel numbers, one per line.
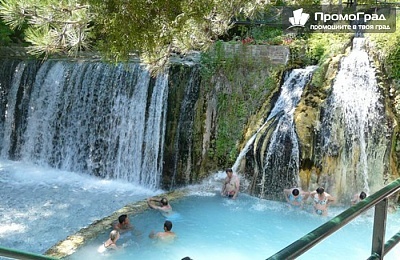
(152,29)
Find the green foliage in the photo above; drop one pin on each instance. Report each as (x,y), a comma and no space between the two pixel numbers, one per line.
(51,25)
(316,48)
(5,34)
(324,45)
(154,29)
(394,61)
(267,35)
(120,28)
(243,85)
(298,55)
(212,60)
(388,46)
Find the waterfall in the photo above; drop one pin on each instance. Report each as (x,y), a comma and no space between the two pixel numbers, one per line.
(86,117)
(274,147)
(354,131)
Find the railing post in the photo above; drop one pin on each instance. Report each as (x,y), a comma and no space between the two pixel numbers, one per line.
(378,235)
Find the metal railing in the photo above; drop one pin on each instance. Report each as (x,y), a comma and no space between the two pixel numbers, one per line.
(379,248)
(15,254)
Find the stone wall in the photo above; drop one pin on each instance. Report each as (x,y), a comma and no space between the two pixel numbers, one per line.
(271,54)
(13,52)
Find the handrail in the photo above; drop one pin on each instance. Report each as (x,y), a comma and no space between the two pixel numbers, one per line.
(379,199)
(15,254)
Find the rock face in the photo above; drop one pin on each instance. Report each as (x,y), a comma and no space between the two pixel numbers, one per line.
(341,135)
(355,129)
(344,132)
(274,149)
(119,122)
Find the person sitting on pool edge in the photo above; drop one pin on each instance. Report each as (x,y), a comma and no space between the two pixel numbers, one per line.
(164,207)
(296,197)
(123,223)
(358,197)
(110,243)
(230,188)
(167,234)
(321,200)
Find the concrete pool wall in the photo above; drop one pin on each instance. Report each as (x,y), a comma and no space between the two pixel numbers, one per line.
(69,245)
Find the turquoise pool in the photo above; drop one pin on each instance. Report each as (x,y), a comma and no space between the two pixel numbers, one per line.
(211,227)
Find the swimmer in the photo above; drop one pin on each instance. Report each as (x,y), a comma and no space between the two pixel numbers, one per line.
(358,197)
(166,235)
(163,205)
(230,188)
(296,197)
(110,243)
(321,200)
(123,223)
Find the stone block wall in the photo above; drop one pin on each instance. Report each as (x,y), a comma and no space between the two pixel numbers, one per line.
(272,54)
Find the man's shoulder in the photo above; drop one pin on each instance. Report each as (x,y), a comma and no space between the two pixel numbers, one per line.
(169,234)
(165,234)
(115,224)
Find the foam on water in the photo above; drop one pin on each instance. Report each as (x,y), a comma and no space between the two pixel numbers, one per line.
(40,206)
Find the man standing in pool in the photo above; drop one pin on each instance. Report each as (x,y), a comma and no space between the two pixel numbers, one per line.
(231,185)
(163,205)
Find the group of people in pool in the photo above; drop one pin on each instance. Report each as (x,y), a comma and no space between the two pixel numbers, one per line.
(230,188)
(123,224)
(320,199)
(294,196)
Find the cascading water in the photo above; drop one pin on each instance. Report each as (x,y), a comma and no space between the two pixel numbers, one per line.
(274,147)
(87,117)
(355,132)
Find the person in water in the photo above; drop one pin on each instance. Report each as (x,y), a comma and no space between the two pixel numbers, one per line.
(321,200)
(230,188)
(163,205)
(123,223)
(110,243)
(166,235)
(358,197)
(296,197)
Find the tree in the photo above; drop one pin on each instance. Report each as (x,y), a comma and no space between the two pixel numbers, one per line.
(50,26)
(120,28)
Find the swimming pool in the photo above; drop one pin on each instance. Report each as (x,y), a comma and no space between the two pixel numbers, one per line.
(40,206)
(211,227)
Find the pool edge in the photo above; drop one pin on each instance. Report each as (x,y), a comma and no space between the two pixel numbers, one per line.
(69,245)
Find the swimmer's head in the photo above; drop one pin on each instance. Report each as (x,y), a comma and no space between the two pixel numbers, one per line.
(122,218)
(320,190)
(164,201)
(229,172)
(114,235)
(167,225)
